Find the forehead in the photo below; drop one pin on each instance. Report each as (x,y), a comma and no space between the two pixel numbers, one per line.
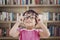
(30,14)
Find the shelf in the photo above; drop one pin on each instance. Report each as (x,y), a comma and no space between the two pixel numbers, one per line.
(51,38)
(7,38)
(15,21)
(30,5)
(40,38)
(56,23)
(7,21)
(44,5)
(38,8)
(53,21)
(15,6)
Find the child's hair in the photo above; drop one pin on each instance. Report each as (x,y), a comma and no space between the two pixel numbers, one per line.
(33,13)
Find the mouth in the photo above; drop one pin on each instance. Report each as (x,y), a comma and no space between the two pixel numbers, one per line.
(28,22)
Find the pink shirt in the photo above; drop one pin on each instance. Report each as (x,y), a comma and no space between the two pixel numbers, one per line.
(29,34)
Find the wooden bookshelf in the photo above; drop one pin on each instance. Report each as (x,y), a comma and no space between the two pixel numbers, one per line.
(11,38)
(13,6)
(39,8)
(53,21)
(7,21)
(27,7)
(43,5)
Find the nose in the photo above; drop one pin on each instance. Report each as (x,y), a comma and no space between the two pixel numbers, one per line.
(28,19)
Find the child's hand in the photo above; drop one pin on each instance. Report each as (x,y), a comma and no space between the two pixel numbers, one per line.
(39,22)
(20,19)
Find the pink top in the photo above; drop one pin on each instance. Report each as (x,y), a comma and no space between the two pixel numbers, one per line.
(29,34)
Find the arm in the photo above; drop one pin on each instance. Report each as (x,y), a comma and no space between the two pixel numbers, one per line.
(14,32)
(45,33)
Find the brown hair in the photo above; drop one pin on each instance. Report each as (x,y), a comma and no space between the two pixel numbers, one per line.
(31,12)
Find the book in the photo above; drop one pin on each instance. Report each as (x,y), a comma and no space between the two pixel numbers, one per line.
(8,2)
(3,32)
(0,32)
(18,2)
(3,2)
(59,16)
(45,1)
(40,1)
(7,32)
(51,1)
(51,16)
(0,2)
(51,29)
(23,2)
(14,17)
(0,16)
(4,16)
(11,16)
(36,1)
(18,15)
(26,2)
(57,2)
(56,15)
(15,2)
(33,2)
(45,16)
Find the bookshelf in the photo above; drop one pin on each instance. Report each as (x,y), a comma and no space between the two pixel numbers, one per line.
(41,8)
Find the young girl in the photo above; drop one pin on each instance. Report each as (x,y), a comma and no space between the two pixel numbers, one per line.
(34,28)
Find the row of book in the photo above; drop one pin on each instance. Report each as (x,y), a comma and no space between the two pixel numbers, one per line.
(54,30)
(28,2)
(5,28)
(4,32)
(51,16)
(9,16)
(44,16)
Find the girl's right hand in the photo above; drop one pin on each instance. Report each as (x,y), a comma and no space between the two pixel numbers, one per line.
(20,19)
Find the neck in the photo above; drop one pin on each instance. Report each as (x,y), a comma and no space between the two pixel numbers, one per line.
(29,28)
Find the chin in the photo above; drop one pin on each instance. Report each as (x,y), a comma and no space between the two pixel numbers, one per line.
(27,24)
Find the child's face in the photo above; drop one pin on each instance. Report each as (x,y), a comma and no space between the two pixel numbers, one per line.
(29,20)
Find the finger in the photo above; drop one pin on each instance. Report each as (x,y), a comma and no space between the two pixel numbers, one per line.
(38,19)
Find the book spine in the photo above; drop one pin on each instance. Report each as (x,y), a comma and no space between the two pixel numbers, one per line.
(3,2)
(0,2)
(0,32)
(18,2)
(23,2)
(26,2)
(33,2)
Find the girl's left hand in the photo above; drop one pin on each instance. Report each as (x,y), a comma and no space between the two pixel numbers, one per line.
(39,22)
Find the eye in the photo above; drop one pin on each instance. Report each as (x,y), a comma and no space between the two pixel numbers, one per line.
(32,17)
(26,17)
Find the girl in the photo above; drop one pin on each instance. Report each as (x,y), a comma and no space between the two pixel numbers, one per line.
(31,22)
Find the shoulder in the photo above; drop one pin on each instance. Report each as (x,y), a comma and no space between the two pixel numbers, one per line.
(20,29)
(39,30)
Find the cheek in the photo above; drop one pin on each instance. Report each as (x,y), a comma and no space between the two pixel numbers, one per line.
(34,22)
